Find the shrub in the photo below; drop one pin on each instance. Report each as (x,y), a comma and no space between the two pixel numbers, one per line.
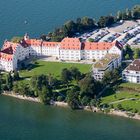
(60,98)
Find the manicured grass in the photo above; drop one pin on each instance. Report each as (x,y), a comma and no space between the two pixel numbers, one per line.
(132,105)
(130,86)
(126,91)
(119,95)
(54,68)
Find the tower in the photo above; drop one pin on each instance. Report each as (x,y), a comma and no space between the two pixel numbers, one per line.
(26,37)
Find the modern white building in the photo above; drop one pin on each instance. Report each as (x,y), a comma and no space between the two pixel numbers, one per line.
(132,72)
(108,63)
(70,49)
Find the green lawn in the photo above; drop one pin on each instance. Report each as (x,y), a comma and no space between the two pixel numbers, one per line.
(132,105)
(119,95)
(126,91)
(54,68)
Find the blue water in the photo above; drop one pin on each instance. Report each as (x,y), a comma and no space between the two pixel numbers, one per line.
(43,16)
(23,120)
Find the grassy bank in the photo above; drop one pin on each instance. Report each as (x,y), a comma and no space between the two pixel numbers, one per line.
(126,96)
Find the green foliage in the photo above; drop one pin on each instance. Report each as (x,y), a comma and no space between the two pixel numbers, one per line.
(16,39)
(85,101)
(60,98)
(0,87)
(110,77)
(66,76)
(127,57)
(75,73)
(119,106)
(89,87)
(136,53)
(73,98)
(45,95)
(9,81)
(128,52)
(70,28)
(105,21)
(136,12)
(91,40)
(16,76)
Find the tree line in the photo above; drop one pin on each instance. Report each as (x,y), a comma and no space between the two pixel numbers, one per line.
(73,87)
(84,24)
(131,53)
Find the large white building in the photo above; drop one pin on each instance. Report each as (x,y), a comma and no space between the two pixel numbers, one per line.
(132,72)
(70,49)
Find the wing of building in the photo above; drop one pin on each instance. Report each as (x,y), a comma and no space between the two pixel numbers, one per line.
(132,72)
(70,49)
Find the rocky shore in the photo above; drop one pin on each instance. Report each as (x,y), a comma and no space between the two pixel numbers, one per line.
(86,108)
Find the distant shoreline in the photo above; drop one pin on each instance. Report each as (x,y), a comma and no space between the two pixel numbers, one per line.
(86,108)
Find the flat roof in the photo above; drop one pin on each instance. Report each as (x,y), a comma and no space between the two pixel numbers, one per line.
(103,63)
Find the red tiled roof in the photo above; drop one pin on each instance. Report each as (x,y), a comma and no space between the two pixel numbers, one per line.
(7,57)
(97,45)
(50,44)
(8,44)
(7,51)
(71,44)
(34,42)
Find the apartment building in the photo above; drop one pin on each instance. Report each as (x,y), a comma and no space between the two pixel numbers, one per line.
(132,72)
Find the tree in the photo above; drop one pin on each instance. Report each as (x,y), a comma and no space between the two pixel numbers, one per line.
(75,73)
(128,52)
(37,82)
(66,76)
(107,78)
(136,53)
(16,88)
(16,39)
(73,98)
(106,21)
(119,15)
(136,12)
(127,57)
(115,75)
(87,23)
(85,101)
(23,89)
(110,77)
(0,83)
(16,75)
(70,27)
(45,95)
(9,81)
(89,87)
(91,40)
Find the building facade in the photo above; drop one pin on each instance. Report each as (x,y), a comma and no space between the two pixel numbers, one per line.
(132,72)
(108,63)
(70,49)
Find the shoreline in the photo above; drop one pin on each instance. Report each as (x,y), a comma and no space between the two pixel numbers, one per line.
(86,108)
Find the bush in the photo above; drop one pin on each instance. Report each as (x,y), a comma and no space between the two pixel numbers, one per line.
(60,98)
(119,106)
(135,111)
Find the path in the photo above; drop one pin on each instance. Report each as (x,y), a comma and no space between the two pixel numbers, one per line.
(128,99)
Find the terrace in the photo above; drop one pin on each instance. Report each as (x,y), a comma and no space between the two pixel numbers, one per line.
(103,63)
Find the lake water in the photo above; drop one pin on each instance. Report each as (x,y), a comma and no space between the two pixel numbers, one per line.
(23,120)
(43,16)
